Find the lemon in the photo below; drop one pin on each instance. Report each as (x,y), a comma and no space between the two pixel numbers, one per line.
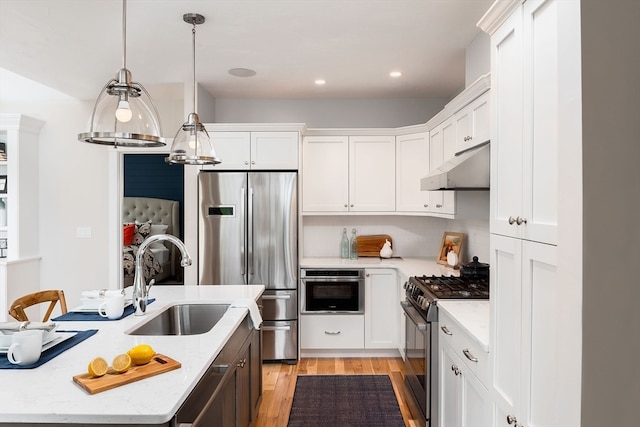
(97,367)
(141,354)
(121,363)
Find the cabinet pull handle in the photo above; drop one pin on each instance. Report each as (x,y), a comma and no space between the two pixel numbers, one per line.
(521,221)
(332,333)
(469,356)
(446,330)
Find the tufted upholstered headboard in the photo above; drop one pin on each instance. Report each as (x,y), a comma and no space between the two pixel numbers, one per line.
(158,211)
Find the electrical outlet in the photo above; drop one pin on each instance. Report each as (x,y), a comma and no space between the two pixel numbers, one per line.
(83,232)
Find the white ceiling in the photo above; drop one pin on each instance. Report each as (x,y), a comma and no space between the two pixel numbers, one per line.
(75,46)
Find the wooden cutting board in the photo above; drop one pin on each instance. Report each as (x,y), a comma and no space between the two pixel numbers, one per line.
(371,245)
(158,365)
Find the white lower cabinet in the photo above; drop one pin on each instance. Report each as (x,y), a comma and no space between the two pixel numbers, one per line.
(464,400)
(381,308)
(377,329)
(331,331)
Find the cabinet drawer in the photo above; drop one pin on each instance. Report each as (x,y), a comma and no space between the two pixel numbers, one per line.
(465,347)
(331,331)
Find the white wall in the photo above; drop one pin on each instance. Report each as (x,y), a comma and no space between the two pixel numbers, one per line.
(611,165)
(478,58)
(74,184)
(413,236)
(329,113)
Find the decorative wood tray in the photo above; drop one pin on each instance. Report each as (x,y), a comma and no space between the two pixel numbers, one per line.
(371,245)
(158,365)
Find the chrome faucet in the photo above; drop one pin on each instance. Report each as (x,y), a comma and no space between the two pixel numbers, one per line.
(140,288)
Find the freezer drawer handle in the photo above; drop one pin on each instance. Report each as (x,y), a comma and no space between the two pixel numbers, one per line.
(276,328)
(276,297)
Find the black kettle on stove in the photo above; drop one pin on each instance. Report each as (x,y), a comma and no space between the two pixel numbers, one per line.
(475,270)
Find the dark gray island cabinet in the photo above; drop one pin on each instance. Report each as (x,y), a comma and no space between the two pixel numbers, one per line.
(229,393)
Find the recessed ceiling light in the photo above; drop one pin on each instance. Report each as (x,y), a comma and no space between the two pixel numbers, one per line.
(320,82)
(395,74)
(242,72)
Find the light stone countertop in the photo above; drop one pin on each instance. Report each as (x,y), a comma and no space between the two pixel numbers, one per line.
(48,393)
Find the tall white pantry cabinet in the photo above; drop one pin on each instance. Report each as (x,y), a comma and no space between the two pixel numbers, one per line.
(535,347)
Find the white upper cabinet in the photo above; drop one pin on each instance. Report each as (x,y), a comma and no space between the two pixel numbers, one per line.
(255,150)
(372,174)
(527,72)
(472,124)
(348,174)
(412,164)
(441,147)
(325,174)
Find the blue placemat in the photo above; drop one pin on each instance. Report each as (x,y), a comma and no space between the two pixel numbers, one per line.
(93,316)
(50,353)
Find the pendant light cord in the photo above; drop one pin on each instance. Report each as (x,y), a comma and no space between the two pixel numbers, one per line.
(124,34)
(193,32)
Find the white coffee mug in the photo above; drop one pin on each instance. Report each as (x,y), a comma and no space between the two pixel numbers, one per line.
(26,347)
(112,307)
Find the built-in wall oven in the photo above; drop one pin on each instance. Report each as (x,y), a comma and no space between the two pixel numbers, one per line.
(332,290)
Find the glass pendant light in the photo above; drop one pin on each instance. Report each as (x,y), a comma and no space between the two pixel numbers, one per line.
(124,114)
(192,145)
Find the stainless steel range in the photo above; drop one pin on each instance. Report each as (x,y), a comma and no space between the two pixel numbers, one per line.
(421,312)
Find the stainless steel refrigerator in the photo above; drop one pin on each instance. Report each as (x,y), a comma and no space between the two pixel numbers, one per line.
(248,234)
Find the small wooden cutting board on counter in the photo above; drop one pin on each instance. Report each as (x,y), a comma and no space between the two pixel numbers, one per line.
(158,365)
(371,245)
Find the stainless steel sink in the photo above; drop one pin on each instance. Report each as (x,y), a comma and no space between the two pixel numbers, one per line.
(183,319)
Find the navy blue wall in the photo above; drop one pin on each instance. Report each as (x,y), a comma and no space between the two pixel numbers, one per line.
(147,175)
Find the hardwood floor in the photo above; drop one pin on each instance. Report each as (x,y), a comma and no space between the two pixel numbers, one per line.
(279,382)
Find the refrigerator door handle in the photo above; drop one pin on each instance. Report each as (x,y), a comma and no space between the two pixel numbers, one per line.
(243,237)
(250,243)
(276,328)
(270,297)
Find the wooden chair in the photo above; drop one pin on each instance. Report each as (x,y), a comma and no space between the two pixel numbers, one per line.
(52,296)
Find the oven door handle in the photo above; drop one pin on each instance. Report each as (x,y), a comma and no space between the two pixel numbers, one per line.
(413,314)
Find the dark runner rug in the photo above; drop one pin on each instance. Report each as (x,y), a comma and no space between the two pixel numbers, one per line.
(344,400)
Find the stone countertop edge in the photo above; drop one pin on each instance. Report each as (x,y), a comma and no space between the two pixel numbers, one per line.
(152,400)
(471,315)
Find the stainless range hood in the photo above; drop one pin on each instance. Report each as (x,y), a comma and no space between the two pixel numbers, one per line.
(467,170)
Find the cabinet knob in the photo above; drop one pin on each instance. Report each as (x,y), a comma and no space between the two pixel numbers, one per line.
(512,220)
(512,420)
(242,363)
(246,162)
(426,206)
(455,370)
(346,205)
(521,221)
(253,162)
(367,275)
(351,205)
(438,206)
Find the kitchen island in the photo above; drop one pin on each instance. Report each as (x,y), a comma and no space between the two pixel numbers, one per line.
(47,394)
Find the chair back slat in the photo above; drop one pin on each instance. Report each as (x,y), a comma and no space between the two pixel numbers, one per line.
(17,310)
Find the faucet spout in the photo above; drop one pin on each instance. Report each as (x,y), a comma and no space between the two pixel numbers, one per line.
(140,288)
